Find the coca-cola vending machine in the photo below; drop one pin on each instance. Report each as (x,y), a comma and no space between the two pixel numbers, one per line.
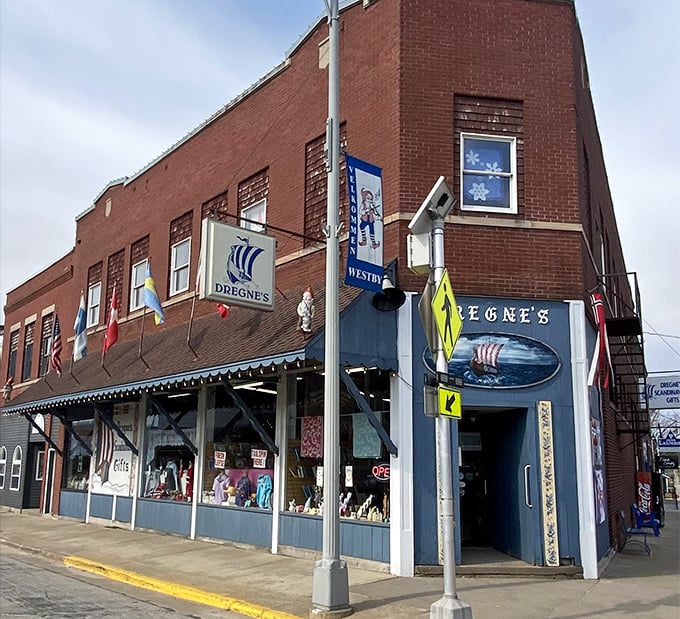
(650,494)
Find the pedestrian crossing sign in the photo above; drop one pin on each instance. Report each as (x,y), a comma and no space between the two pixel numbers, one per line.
(446,317)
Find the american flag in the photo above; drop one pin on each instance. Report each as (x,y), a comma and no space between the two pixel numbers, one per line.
(55,356)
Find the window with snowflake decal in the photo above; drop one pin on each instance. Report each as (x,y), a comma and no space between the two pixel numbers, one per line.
(488,179)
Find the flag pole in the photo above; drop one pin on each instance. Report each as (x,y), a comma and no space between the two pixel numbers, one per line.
(191,318)
(141,336)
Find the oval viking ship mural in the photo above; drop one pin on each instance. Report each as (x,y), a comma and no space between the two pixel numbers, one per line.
(500,361)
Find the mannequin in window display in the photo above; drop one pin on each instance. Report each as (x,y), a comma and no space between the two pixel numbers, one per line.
(189,481)
(220,484)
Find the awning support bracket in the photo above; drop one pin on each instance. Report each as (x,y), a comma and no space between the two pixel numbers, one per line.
(69,427)
(368,411)
(251,417)
(107,418)
(159,407)
(30,419)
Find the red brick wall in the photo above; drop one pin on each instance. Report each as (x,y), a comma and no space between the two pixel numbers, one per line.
(403,66)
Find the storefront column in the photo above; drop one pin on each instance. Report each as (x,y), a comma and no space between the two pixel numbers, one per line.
(199,458)
(285,398)
(141,447)
(401,430)
(584,464)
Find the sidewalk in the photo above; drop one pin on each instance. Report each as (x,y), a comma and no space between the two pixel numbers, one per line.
(258,584)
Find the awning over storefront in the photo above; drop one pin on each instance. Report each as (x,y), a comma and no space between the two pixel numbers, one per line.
(247,341)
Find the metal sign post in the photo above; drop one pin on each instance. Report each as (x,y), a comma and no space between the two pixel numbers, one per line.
(430,216)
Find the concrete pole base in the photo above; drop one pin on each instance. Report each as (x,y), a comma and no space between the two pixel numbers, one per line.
(450,608)
(330,590)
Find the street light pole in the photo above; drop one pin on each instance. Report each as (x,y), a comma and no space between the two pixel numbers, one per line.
(330,583)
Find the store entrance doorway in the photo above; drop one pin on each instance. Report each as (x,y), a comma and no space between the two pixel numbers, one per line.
(498,484)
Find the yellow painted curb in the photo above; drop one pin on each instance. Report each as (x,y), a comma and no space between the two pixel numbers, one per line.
(179,591)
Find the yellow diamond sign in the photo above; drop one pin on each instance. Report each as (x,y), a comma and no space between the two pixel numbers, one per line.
(450,403)
(445,312)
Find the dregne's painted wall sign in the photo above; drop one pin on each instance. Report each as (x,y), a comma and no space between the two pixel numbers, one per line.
(500,361)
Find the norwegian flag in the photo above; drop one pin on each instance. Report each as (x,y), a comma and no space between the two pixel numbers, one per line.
(55,355)
(600,367)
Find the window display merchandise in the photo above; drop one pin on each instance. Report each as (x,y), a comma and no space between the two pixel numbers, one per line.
(239,468)
(168,473)
(77,470)
(364,471)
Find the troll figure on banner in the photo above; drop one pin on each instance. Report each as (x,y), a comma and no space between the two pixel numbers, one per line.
(369,214)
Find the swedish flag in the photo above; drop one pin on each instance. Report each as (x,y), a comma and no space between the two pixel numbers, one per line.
(151,299)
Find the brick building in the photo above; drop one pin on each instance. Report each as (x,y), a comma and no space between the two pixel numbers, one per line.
(160,434)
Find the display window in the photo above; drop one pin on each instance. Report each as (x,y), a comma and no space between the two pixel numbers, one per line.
(239,466)
(169,462)
(364,461)
(78,460)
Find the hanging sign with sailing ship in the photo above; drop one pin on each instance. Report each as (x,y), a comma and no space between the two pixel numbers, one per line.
(238,266)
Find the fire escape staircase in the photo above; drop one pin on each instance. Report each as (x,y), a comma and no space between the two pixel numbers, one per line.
(628,394)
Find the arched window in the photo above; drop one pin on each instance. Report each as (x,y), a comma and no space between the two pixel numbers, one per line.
(3,465)
(15,475)
(40,421)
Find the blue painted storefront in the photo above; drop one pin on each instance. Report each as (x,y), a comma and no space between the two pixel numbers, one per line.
(522,434)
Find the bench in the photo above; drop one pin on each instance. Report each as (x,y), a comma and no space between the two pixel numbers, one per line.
(645,520)
(632,535)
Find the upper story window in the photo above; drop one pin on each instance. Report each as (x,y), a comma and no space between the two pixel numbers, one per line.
(255,216)
(316,186)
(3,465)
(45,344)
(94,300)
(13,353)
(180,252)
(115,271)
(179,266)
(137,280)
(488,173)
(215,208)
(29,336)
(15,473)
(252,201)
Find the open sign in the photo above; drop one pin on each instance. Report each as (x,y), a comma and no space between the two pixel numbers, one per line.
(381,472)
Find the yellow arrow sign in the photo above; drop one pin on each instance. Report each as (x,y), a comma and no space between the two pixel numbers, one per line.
(450,403)
(445,312)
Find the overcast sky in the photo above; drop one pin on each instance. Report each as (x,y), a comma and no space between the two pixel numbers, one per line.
(93,91)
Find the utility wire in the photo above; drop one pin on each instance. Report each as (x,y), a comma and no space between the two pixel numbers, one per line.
(663,337)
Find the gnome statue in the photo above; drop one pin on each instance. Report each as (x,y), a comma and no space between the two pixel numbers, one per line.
(305,310)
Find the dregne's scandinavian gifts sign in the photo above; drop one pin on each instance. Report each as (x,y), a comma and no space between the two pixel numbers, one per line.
(238,268)
(365,259)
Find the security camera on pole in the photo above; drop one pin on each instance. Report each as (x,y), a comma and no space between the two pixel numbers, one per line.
(429,220)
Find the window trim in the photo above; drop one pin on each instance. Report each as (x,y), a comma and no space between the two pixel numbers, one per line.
(16,462)
(175,269)
(46,345)
(140,288)
(39,461)
(254,227)
(511,175)
(92,307)
(3,466)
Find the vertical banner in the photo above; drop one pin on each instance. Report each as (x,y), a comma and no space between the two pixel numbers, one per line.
(365,248)
(598,470)
(114,470)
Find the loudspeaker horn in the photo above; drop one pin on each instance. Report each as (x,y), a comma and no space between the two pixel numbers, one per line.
(391,298)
